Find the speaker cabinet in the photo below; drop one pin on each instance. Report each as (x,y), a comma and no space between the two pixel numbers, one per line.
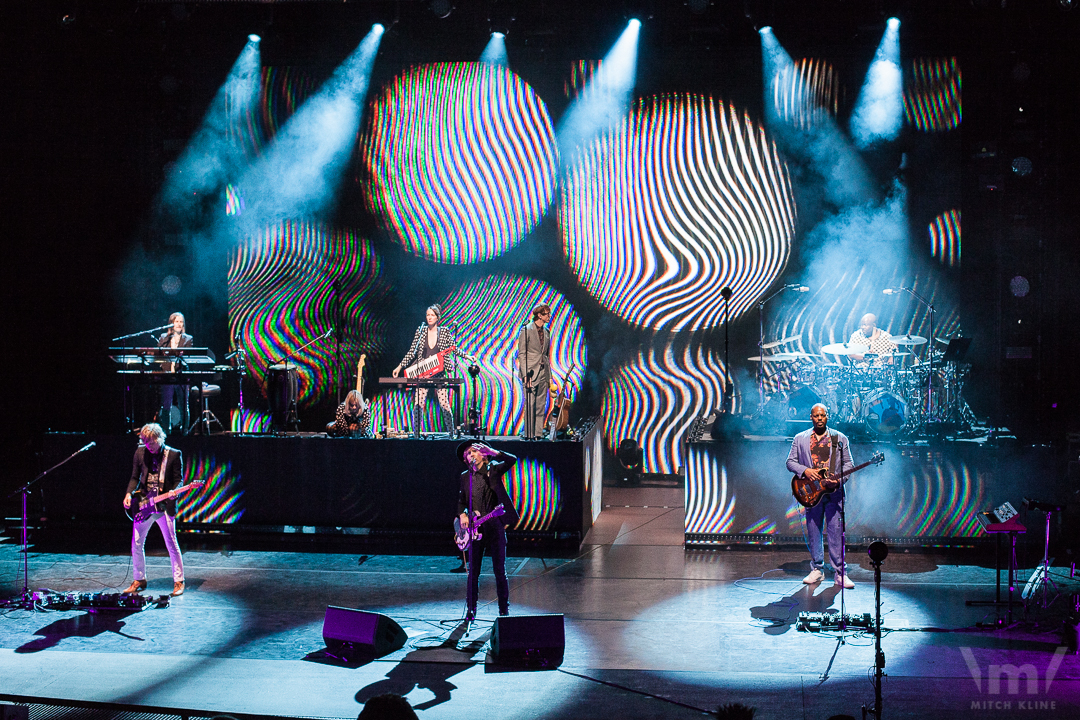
(357,633)
(530,640)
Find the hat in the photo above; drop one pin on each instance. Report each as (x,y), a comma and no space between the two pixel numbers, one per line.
(461,448)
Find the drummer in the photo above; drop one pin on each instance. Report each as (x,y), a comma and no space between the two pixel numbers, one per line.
(880,342)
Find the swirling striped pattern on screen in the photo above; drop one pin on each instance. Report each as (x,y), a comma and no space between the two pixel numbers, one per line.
(932,100)
(218,501)
(806,92)
(535,491)
(687,197)
(460,160)
(281,296)
(945,238)
(282,90)
(941,500)
(710,502)
(655,398)
(248,421)
(489,314)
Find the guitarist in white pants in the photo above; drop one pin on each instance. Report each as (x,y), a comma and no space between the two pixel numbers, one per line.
(481,490)
(812,452)
(155,469)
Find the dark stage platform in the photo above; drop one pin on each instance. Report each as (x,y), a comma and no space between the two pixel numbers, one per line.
(400,491)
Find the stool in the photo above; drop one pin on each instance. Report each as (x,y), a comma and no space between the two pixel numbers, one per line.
(202,393)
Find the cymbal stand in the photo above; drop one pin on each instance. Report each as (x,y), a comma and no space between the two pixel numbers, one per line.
(291,419)
(25,600)
(930,350)
(761,343)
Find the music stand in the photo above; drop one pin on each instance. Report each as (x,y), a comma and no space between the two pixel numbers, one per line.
(956,350)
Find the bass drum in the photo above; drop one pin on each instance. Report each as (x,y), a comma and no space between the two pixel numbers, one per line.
(884,413)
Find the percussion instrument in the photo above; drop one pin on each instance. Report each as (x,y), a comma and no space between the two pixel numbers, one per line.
(884,413)
(282,387)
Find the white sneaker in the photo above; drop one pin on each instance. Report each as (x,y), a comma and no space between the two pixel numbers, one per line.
(845,581)
(815,576)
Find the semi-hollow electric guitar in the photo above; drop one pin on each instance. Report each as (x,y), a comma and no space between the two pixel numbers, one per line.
(465,537)
(143,507)
(809,492)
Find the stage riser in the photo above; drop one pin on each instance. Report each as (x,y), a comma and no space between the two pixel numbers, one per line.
(743,488)
(315,484)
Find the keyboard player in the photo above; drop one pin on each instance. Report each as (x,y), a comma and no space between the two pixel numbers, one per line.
(431,343)
(176,337)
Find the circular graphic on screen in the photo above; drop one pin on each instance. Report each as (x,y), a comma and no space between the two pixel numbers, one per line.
(687,197)
(460,160)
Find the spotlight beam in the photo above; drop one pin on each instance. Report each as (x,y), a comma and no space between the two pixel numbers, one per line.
(879,110)
(605,99)
(300,173)
(213,156)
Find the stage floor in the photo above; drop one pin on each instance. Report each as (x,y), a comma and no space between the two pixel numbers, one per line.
(652,631)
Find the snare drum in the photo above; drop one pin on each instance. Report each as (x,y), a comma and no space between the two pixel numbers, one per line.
(884,413)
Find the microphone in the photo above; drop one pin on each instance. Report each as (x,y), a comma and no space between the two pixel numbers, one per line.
(84,448)
(802,288)
(892,291)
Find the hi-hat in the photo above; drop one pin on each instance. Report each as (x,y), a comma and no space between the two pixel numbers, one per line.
(780,357)
(908,340)
(845,349)
(777,343)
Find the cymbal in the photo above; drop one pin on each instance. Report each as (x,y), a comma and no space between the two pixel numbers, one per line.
(780,357)
(845,349)
(908,340)
(777,343)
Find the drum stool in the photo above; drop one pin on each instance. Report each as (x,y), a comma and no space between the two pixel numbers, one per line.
(203,392)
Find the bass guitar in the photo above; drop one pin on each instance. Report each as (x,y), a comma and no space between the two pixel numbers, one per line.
(465,537)
(559,414)
(809,492)
(143,507)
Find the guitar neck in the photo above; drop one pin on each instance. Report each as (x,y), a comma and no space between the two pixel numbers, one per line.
(853,470)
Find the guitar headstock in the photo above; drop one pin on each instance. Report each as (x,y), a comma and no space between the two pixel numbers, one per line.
(878,458)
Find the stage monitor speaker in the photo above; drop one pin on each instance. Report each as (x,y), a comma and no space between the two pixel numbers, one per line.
(350,633)
(531,640)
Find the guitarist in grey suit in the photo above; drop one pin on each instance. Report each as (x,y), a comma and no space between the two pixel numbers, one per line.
(155,469)
(814,451)
(481,490)
(534,369)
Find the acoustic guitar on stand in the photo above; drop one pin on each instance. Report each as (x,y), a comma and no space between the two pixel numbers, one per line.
(809,492)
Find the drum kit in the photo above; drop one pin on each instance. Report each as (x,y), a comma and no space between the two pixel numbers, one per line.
(879,395)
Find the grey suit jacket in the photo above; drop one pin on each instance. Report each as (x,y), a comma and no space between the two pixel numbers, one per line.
(533,357)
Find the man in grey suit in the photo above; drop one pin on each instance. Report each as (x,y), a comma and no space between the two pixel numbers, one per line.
(534,369)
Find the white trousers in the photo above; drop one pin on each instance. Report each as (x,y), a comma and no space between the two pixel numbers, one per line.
(139,531)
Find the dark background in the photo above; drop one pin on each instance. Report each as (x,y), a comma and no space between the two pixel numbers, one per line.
(100,96)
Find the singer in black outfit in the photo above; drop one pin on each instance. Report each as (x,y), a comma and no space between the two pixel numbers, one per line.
(176,337)
(481,490)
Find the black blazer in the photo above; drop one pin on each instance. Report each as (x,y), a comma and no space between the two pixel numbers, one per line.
(174,474)
(185,341)
(497,467)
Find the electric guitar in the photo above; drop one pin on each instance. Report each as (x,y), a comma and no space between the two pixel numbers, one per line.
(143,507)
(465,537)
(808,492)
(360,375)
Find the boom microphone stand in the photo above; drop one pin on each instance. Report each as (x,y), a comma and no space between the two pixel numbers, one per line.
(26,600)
